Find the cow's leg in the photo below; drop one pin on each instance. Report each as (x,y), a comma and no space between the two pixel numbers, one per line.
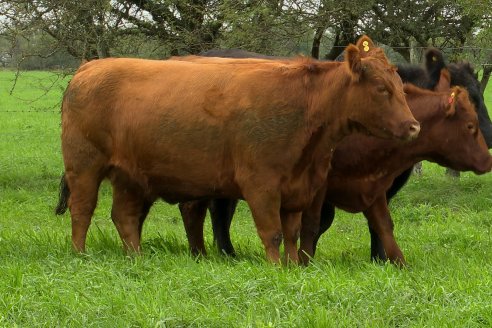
(310,228)
(265,208)
(193,214)
(452,173)
(85,168)
(326,220)
(128,208)
(145,211)
(83,200)
(221,213)
(291,225)
(377,249)
(380,221)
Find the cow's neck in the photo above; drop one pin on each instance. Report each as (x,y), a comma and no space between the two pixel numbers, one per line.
(326,125)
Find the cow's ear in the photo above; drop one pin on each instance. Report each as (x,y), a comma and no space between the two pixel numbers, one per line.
(434,63)
(444,83)
(353,59)
(365,45)
(451,102)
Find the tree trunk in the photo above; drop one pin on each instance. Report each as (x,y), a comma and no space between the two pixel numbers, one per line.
(414,52)
(335,50)
(317,42)
(345,36)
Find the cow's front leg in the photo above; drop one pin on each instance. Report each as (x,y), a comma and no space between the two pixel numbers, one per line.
(380,222)
(265,208)
(377,249)
(291,225)
(310,228)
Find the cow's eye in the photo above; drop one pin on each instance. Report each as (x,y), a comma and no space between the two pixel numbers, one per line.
(382,90)
(471,127)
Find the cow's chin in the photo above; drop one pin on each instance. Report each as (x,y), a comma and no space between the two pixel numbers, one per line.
(380,132)
(478,167)
(372,132)
(485,167)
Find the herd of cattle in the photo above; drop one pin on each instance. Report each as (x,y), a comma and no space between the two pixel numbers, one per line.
(294,137)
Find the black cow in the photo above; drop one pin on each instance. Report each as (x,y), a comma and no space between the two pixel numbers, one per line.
(462,74)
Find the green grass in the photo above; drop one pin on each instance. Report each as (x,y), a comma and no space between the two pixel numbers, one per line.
(442,225)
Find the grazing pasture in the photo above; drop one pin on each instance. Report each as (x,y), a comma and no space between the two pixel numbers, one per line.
(443,225)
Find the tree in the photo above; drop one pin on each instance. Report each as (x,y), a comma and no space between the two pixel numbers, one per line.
(160,28)
(85,29)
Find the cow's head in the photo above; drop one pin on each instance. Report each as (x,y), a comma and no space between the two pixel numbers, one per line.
(462,146)
(375,95)
(462,74)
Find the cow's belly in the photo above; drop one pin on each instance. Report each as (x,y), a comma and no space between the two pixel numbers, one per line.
(355,195)
(175,176)
(173,189)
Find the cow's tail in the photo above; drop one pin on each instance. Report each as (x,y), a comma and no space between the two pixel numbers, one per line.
(63,196)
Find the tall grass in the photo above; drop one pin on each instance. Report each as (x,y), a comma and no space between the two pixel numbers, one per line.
(443,226)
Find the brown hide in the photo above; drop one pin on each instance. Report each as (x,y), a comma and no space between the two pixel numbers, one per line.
(183,130)
(363,168)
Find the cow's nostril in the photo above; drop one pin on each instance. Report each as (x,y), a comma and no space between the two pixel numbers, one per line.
(414,129)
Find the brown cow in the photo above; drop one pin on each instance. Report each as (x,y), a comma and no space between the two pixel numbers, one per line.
(356,184)
(363,168)
(181,130)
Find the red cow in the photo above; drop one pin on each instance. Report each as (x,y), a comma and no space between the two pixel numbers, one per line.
(180,130)
(355,184)
(364,168)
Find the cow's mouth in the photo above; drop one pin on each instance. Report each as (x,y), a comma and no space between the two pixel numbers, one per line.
(408,131)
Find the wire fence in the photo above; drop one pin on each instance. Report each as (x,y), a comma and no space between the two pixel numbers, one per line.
(30,111)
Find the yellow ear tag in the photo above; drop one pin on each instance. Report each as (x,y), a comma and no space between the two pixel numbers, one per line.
(451,98)
(434,58)
(365,44)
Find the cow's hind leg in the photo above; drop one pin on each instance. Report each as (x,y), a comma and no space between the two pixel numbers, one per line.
(83,200)
(193,214)
(85,168)
(221,213)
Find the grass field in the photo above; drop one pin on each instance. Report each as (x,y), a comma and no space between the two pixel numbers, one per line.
(443,226)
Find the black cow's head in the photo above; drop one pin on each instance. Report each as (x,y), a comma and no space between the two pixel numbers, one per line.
(462,74)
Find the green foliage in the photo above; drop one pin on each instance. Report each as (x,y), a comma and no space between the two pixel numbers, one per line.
(161,28)
(443,226)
